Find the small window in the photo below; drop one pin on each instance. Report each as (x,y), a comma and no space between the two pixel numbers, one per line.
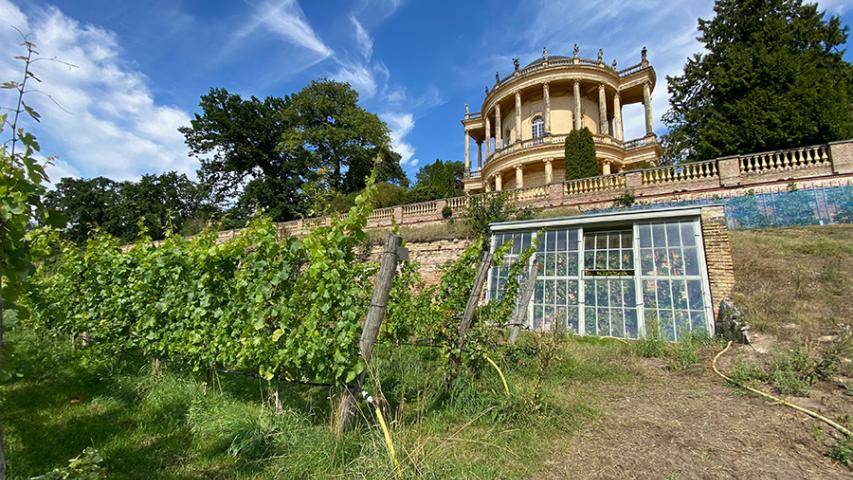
(538,127)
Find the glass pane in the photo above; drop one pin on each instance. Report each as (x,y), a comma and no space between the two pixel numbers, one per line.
(691,261)
(666,325)
(627,259)
(613,240)
(676,262)
(672,235)
(649,300)
(561,241)
(560,267)
(572,319)
(549,291)
(572,265)
(647,263)
(661,261)
(664,295)
(603,322)
(617,323)
(589,260)
(540,290)
(613,260)
(600,241)
(537,316)
(572,292)
(626,239)
(615,297)
(552,241)
(697,320)
(573,240)
(601,260)
(679,294)
(645,235)
(658,235)
(589,292)
(688,235)
(694,292)
(601,292)
(549,264)
(590,321)
(560,293)
(631,323)
(548,318)
(682,323)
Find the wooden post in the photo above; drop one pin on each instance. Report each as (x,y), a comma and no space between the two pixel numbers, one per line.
(520,314)
(375,315)
(473,299)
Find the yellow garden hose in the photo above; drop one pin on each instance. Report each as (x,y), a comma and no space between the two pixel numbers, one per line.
(808,412)
(389,442)
(503,379)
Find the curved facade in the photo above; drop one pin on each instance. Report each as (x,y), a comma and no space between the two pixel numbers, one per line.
(526,116)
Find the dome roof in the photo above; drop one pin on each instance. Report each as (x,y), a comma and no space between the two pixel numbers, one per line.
(550,58)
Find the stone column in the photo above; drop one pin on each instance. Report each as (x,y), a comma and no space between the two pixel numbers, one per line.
(647,104)
(479,156)
(498,182)
(488,184)
(549,172)
(605,167)
(577,94)
(617,117)
(488,138)
(602,111)
(517,116)
(498,129)
(467,153)
(547,94)
(519,177)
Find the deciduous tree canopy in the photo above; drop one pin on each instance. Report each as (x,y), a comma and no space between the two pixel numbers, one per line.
(270,149)
(772,77)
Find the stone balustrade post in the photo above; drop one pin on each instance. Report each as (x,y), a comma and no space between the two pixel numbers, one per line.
(633,180)
(729,168)
(555,193)
(841,155)
(398,214)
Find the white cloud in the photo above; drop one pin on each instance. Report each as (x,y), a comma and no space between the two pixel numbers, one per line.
(285,19)
(362,38)
(401,124)
(107,121)
(360,76)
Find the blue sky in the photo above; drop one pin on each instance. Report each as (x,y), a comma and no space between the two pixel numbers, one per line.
(141,66)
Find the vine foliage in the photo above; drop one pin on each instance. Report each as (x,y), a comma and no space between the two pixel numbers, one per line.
(284,307)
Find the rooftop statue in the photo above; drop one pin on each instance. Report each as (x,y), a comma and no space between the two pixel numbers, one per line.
(576,51)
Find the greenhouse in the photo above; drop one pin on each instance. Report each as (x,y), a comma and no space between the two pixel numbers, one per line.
(613,275)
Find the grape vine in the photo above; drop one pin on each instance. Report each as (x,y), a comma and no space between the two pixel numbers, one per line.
(286,308)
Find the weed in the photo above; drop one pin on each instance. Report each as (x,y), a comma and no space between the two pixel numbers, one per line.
(842,451)
(685,352)
(652,344)
(792,372)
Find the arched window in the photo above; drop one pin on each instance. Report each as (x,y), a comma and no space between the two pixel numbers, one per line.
(538,127)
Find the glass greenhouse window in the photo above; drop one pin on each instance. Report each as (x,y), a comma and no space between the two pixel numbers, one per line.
(615,282)
(672,280)
(498,275)
(555,299)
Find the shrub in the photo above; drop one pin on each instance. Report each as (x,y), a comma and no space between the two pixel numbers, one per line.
(496,207)
(652,344)
(446,212)
(580,155)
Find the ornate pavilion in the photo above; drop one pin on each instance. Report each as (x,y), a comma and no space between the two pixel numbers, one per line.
(525,117)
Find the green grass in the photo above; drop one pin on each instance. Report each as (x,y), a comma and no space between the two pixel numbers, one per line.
(177,424)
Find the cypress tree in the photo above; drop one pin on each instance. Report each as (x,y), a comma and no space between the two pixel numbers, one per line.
(772,76)
(580,155)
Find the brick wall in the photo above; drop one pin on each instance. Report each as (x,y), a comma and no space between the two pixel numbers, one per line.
(718,255)
(430,255)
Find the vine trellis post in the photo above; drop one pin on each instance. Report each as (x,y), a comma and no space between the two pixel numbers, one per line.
(519,317)
(471,307)
(391,254)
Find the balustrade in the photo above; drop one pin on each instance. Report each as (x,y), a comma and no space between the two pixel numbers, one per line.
(594,184)
(792,159)
(418,209)
(681,172)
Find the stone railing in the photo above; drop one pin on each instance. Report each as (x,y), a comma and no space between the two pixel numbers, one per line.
(552,140)
(830,164)
(632,69)
(561,61)
(595,184)
(681,172)
(781,160)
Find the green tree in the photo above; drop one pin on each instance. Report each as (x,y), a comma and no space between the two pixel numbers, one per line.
(772,77)
(328,128)
(237,141)
(580,154)
(440,179)
(162,201)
